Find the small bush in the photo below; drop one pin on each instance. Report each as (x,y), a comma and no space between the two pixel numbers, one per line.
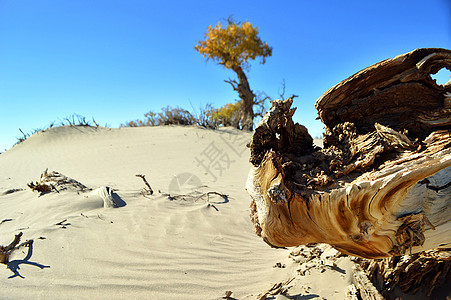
(208,117)
(150,120)
(167,116)
(175,116)
(205,117)
(77,120)
(228,115)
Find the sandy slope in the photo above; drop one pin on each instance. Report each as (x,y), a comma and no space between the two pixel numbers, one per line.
(154,247)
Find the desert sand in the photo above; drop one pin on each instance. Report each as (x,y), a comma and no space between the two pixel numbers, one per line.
(154,246)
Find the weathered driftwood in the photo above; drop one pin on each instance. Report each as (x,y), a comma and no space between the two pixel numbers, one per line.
(55,181)
(352,293)
(380,187)
(366,289)
(412,274)
(106,193)
(6,251)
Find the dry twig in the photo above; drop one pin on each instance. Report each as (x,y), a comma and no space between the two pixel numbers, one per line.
(61,223)
(6,220)
(193,197)
(149,189)
(224,196)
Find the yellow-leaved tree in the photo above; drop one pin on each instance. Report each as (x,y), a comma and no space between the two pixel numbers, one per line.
(233,46)
(228,115)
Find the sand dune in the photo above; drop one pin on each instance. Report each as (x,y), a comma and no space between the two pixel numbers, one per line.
(154,247)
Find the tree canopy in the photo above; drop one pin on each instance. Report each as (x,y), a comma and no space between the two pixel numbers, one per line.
(233,45)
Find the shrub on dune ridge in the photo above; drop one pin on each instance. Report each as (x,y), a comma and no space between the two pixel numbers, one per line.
(208,117)
(72,120)
(167,116)
(175,116)
(229,114)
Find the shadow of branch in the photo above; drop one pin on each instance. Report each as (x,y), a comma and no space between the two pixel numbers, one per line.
(14,265)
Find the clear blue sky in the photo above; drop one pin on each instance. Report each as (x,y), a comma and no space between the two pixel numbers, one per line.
(115,60)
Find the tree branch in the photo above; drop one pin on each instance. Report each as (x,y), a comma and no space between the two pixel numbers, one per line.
(143,177)
(282,94)
(5,252)
(233,83)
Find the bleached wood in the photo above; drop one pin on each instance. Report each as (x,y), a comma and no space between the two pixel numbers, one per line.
(381,185)
(367,291)
(418,274)
(105,193)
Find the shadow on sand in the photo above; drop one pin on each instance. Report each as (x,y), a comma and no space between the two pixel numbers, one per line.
(118,200)
(14,265)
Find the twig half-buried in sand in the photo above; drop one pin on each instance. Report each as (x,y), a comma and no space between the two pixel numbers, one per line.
(279,288)
(196,198)
(224,196)
(5,251)
(149,189)
(6,220)
(10,191)
(61,223)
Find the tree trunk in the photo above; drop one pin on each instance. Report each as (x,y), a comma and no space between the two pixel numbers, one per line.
(381,185)
(246,94)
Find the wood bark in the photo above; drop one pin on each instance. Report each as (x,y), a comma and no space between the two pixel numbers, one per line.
(365,288)
(380,187)
(419,273)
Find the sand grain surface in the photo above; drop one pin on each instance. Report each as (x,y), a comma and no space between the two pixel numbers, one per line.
(154,247)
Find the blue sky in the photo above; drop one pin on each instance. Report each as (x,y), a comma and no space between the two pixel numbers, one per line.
(116,60)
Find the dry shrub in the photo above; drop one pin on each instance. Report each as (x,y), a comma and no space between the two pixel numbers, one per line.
(175,116)
(209,117)
(167,116)
(40,187)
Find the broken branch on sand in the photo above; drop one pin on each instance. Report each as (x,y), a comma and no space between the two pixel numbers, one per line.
(196,196)
(224,196)
(5,251)
(149,189)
